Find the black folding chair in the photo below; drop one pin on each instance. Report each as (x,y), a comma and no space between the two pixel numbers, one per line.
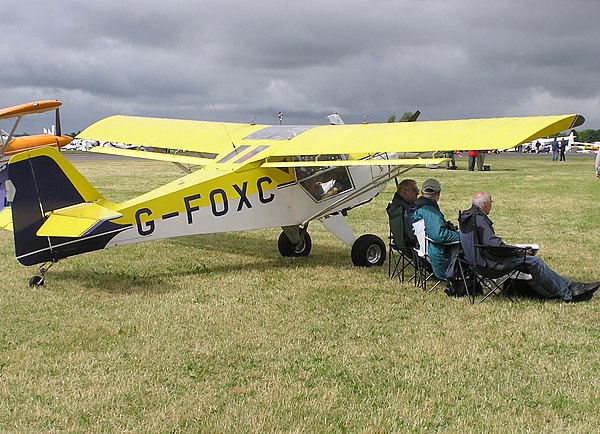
(461,277)
(400,255)
(493,280)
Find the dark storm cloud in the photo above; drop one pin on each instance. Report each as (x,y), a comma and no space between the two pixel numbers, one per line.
(234,60)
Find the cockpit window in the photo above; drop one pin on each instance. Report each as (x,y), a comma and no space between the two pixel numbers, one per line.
(324,182)
(279,132)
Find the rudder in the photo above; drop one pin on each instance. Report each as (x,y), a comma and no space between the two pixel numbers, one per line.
(40,181)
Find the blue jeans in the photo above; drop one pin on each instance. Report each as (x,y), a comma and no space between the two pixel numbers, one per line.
(554,284)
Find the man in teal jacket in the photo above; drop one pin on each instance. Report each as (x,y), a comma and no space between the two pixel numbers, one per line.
(438,230)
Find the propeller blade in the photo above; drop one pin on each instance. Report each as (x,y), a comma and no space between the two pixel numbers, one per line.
(414,116)
(57,122)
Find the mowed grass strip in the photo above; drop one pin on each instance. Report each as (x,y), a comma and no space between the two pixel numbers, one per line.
(218,333)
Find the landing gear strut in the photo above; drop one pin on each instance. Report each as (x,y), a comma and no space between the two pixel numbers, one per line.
(38,280)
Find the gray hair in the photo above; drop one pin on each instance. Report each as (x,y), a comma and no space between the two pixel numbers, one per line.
(480,198)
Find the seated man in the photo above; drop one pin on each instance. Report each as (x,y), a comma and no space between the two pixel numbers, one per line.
(546,283)
(404,197)
(438,230)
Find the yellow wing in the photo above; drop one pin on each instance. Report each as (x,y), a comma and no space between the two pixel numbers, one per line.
(359,141)
(176,134)
(422,137)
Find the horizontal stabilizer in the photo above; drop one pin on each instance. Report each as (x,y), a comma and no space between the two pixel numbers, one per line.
(371,162)
(159,156)
(76,220)
(6,219)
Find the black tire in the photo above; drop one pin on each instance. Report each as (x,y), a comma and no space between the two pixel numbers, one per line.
(287,248)
(368,251)
(36,281)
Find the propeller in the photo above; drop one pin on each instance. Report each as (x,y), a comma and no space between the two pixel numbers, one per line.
(58,131)
(414,116)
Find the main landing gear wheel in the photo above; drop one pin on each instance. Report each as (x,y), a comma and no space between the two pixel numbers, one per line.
(368,251)
(287,248)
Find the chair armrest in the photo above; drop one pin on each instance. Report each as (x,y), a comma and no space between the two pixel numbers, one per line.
(453,243)
(503,251)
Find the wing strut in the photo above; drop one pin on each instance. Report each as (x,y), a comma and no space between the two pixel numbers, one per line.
(11,134)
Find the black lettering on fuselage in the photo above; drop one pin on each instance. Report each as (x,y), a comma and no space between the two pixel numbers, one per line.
(218,207)
(213,203)
(190,209)
(261,192)
(243,195)
(144,228)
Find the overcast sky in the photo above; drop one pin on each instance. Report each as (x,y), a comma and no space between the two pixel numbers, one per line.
(238,60)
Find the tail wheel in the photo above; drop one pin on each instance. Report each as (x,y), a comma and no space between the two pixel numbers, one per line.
(36,281)
(287,248)
(368,251)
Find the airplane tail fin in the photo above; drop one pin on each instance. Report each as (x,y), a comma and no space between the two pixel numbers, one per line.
(571,139)
(39,182)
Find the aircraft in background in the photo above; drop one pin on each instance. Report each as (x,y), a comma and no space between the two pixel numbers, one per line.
(242,177)
(571,145)
(11,145)
(581,146)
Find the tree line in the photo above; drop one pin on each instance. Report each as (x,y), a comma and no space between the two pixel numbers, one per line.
(587,135)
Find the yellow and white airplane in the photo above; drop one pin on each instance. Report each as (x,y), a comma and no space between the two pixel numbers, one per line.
(250,177)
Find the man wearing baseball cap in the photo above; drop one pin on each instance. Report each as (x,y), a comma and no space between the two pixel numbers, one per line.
(438,230)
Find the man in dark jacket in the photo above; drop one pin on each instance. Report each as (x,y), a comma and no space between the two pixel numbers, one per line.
(555,148)
(404,197)
(545,282)
(440,232)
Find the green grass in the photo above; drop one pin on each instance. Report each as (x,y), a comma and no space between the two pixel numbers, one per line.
(219,333)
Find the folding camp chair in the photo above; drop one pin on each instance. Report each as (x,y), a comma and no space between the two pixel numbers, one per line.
(400,256)
(463,275)
(491,279)
(423,266)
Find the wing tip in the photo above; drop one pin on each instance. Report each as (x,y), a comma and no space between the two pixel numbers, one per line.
(579,120)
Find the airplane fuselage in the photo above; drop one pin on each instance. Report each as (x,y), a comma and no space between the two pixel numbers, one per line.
(201,203)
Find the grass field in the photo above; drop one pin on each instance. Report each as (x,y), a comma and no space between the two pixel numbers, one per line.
(219,333)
